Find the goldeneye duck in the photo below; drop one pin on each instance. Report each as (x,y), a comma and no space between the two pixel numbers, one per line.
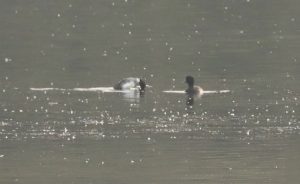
(131,83)
(193,90)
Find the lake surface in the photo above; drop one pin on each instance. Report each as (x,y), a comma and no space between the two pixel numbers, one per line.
(250,135)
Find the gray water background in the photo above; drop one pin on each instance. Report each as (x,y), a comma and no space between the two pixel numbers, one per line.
(248,136)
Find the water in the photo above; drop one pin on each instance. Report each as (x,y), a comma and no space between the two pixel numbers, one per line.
(250,135)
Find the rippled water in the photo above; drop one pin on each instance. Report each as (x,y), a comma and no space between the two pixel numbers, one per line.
(250,135)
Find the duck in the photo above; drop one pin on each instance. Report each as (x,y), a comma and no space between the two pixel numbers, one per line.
(131,83)
(193,90)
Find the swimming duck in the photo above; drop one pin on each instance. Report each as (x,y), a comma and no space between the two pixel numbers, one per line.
(193,90)
(131,83)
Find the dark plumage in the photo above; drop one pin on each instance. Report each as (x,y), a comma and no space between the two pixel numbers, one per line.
(192,90)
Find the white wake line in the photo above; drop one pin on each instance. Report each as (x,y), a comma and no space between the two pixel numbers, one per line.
(101,89)
(204,92)
(218,91)
(112,90)
(47,89)
(93,89)
(174,91)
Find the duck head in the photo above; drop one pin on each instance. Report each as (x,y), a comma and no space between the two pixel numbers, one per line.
(142,85)
(189,80)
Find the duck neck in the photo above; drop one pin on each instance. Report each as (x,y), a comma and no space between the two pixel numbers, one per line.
(191,85)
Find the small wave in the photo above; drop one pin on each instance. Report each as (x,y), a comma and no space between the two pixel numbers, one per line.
(92,89)
(205,92)
(216,91)
(47,89)
(95,89)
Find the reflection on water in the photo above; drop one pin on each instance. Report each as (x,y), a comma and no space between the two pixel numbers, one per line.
(189,101)
(90,136)
(68,114)
(65,130)
(133,96)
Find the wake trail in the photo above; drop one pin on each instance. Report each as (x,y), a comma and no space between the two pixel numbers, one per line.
(204,92)
(92,89)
